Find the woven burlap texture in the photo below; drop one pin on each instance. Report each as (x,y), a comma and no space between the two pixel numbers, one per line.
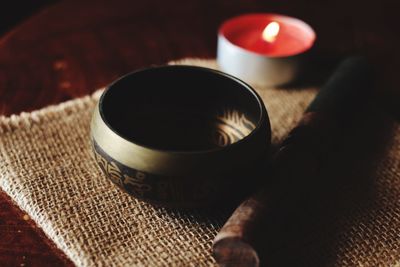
(47,168)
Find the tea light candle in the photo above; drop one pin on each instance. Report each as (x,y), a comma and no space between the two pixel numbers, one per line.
(264,49)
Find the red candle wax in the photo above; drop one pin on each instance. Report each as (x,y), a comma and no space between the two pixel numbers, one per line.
(246,31)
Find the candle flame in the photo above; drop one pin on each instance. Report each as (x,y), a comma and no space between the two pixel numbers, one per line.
(271,31)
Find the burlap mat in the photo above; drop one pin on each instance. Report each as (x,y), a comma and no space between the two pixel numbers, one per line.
(47,168)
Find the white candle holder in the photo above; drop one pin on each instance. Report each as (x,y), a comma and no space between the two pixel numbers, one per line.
(263,68)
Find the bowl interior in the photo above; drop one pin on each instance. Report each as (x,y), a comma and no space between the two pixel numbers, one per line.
(181,108)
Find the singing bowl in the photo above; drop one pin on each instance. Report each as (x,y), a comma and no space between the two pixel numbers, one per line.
(180,136)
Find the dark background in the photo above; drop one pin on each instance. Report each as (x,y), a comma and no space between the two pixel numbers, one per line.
(18,11)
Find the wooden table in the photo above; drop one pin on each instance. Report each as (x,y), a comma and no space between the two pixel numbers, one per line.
(71,48)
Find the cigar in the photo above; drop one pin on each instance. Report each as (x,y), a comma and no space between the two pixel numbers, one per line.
(298,157)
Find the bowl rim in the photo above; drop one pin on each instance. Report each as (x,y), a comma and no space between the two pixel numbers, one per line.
(263,117)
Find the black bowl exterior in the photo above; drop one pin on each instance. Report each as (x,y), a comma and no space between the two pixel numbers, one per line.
(194,191)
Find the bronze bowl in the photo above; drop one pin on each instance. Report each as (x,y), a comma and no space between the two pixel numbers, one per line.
(181,136)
